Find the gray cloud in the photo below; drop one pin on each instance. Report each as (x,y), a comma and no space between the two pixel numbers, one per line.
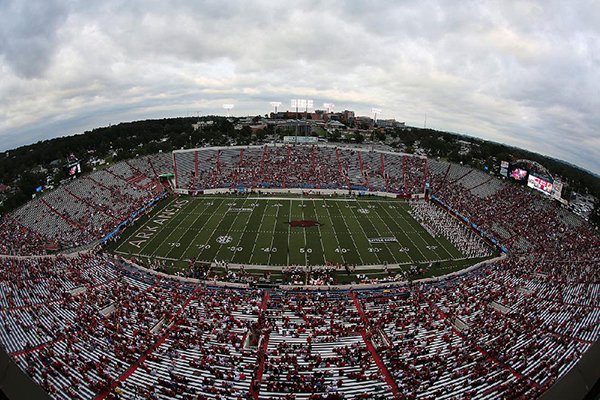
(28,34)
(524,73)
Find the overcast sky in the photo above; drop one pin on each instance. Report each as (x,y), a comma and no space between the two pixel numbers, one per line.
(525,73)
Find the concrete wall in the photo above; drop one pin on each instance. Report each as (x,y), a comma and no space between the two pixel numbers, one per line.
(16,384)
(582,382)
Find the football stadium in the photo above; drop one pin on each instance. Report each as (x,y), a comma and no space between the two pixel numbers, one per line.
(308,200)
(298,271)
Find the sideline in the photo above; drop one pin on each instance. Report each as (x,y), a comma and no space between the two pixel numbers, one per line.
(295,198)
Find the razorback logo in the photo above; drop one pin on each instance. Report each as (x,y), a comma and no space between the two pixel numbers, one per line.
(304,223)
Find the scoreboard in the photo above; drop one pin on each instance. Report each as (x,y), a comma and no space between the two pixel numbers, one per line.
(73,168)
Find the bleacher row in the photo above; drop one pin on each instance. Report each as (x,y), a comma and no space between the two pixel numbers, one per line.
(323,167)
(521,219)
(84,209)
(91,326)
(89,207)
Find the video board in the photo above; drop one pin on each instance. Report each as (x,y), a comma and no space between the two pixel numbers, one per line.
(73,168)
(504,168)
(518,174)
(540,184)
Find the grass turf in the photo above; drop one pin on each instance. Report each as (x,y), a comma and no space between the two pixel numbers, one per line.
(257,231)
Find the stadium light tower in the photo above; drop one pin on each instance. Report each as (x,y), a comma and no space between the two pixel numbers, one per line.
(228,107)
(301,104)
(375,112)
(275,104)
(329,107)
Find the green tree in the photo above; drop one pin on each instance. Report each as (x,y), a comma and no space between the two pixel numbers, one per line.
(595,216)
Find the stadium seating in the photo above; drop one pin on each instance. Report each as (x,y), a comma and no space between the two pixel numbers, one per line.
(90,325)
(89,207)
(323,167)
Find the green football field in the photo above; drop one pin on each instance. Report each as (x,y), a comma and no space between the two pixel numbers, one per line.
(284,231)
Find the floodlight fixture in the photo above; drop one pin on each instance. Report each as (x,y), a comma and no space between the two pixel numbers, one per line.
(329,107)
(302,104)
(228,107)
(375,111)
(275,104)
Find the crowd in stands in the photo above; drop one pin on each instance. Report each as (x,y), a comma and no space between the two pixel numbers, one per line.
(309,275)
(315,346)
(92,326)
(438,222)
(17,240)
(322,167)
(205,352)
(83,210)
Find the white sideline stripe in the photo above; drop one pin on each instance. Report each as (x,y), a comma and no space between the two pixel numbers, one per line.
(297,198)
(146,256)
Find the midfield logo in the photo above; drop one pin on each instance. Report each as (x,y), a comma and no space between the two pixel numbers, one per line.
(304,223)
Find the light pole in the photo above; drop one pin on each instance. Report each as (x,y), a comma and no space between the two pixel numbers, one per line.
(375,111)
(228,107)
(275,104)
(299,104)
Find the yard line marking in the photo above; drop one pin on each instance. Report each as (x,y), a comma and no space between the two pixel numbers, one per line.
(208,237)
(319,229)
(337,239)
(365,234)
(304,231)
(245,230)
(407,236)
(288,234)
(200,230)
(352,237)
(175,229)
(256,237)
(387,246)
(163,227)
(344,261)
(229,228)
(273,235)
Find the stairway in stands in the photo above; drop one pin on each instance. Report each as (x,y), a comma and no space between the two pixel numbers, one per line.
(109,392)
(68,220)
(263,343)
(366,335)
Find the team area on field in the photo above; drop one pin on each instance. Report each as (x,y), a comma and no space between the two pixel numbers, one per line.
(281,231)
